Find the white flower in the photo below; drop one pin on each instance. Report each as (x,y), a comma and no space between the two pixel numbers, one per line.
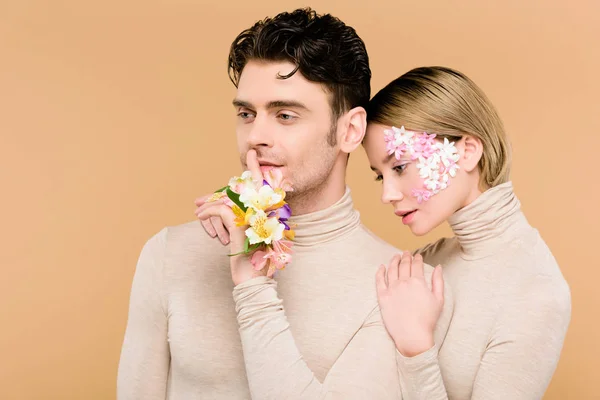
(445,161)
(263,229)
(260,200)
(447,150)
(239,183)
(427,166)
(435,159)
(452,170)
(423,168)
(444,181)
(402,137)
(432,184)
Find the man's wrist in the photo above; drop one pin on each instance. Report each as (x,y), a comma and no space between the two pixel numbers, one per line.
(242,269)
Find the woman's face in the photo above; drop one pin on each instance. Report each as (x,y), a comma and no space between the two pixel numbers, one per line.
(426,185)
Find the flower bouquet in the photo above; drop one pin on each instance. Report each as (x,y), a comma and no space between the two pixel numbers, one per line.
(261,208)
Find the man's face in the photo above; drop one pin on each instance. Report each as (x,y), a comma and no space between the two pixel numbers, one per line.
(287,121)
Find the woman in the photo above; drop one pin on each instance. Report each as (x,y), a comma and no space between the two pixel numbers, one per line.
(512,304)
(439,148)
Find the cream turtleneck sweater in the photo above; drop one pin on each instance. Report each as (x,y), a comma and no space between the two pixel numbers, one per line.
(512,308)
(313,332)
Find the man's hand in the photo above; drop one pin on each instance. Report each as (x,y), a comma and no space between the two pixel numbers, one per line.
(222,220)
(409,308)
(214,225)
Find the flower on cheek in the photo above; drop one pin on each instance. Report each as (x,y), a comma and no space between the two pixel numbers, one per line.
(421,195)
(398,141)
(437,160)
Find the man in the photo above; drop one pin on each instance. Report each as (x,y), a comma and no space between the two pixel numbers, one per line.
(316,331)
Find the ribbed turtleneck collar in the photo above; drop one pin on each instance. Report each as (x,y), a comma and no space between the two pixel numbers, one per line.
(327,224)
(491,221)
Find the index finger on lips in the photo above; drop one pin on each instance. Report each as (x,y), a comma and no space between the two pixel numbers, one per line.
(254,166)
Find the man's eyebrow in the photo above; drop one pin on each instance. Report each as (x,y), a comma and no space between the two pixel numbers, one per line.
(241,103)
(271,104)
(286,103)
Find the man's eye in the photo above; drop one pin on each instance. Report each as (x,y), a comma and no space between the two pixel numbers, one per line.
(286,117)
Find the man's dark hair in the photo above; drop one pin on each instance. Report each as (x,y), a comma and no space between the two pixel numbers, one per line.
(323,48)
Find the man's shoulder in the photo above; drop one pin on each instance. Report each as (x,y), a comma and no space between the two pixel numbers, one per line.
(187,239)
(386,250)
(186,231)
(439,251)
(378,243)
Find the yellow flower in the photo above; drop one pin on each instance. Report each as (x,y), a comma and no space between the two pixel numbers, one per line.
(264,229)
(240,216)
(216,196)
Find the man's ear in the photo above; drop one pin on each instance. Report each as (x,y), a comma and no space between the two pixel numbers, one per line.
(355,126)
(472,151)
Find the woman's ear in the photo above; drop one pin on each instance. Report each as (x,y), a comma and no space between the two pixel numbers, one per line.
(472,151)
(355,124)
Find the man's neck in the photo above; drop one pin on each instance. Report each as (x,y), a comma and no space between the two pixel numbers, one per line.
(317,199)
(324,195)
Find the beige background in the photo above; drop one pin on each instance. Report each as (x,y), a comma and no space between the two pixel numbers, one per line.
(115,115)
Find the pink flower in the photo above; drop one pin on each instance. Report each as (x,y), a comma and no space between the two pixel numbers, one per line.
(396,150)
(393,146)
(422,195)
(423,146)
(275,257)
(239,183)
(259,259)
(283,246)
(274,177)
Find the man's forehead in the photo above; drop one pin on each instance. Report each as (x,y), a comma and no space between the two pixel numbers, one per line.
(261,83)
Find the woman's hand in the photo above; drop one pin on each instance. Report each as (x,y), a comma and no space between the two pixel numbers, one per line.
(410,309)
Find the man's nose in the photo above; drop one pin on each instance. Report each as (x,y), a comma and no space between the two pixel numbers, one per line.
(260,134)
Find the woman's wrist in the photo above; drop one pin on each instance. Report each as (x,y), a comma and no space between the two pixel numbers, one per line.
(413,348)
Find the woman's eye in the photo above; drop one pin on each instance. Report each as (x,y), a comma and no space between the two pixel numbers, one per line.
(400,168)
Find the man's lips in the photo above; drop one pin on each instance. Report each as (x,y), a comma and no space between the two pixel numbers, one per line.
(268,164)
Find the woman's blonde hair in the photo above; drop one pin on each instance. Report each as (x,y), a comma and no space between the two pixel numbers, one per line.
(445,102)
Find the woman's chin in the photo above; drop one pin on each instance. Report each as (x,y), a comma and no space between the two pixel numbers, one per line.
(419,229)
(418,232)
